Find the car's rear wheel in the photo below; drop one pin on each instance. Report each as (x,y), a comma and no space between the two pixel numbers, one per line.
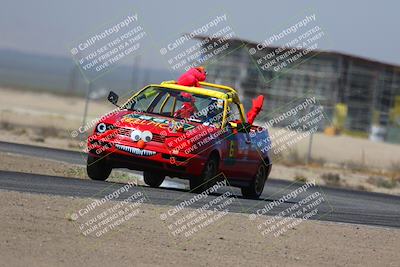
(199,184)
(98,168)
(153,179)
(256,187)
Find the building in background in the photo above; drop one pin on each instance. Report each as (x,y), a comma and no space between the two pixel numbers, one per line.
(367,89)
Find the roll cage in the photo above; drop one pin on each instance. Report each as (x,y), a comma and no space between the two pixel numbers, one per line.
(225,93)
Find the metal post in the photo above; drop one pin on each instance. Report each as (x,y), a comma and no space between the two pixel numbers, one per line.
(86,104)
(308,159)
(309,148)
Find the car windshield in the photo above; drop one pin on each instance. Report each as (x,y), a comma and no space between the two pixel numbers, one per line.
(178,104)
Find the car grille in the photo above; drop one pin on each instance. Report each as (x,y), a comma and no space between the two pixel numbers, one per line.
(127,132)
(158,138)
(124,131)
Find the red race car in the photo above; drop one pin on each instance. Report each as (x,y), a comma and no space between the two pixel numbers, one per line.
(193,133)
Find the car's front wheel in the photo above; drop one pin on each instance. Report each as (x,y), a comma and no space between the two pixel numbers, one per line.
(256,187)
(98,168)
(199,184)
(153,179)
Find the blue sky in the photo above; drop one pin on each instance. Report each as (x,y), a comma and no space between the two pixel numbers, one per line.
(368,29)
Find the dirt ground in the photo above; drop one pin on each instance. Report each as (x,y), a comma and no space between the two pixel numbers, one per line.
(37,230)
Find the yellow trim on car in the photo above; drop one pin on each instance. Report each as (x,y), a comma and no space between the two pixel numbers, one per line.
(194,90)
(219,86)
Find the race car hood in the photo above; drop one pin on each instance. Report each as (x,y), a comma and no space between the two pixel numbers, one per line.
(156,124)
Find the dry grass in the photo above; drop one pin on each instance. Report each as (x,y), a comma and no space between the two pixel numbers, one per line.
(354,166)
(318,161)
(300,178)
(290,158)
(6,125)
(331,179)
(384,182)
(395,167)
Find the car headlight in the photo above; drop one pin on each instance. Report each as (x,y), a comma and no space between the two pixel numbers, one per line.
(101,127)
(147,136)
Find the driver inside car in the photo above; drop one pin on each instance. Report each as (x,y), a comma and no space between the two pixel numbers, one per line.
(187,108)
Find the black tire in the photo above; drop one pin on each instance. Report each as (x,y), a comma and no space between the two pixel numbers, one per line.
(153,179)
(199,184)
(254,190)
(97,168)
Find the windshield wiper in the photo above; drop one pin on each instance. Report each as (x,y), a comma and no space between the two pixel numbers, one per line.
(195,120)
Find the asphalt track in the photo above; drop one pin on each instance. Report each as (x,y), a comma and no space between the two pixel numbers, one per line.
(339,205)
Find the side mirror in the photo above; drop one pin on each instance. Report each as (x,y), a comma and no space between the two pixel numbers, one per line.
(113,98)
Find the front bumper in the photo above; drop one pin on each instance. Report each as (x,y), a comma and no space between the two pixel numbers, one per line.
(154,157)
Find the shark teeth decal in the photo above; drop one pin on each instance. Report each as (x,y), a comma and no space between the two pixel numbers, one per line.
(135,151)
